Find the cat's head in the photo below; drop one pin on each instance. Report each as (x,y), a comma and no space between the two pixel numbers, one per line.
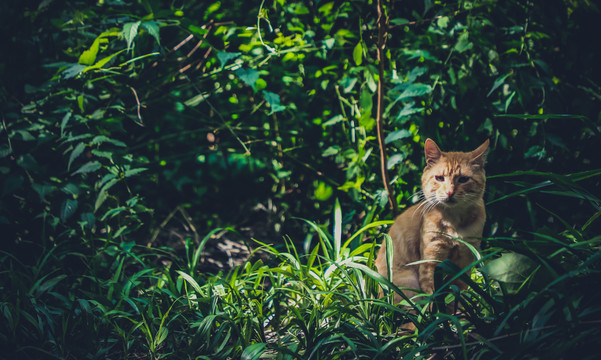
(454,178)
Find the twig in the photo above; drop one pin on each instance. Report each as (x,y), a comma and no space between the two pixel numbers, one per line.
(201,40)
(141,123)
(183,42)
(10,146)
(186,218)
(382,23)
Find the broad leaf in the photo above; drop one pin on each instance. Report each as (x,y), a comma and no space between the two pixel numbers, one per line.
(225,57)
(75,153)
(498,82)
(88,168)
(130,31)
(153,29)
(254,351)
(68,208)
(358,54)
(273,100)
(397,135)
(249,76)
(414,90)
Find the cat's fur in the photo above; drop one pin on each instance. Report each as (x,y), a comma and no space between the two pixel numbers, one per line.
(453,185)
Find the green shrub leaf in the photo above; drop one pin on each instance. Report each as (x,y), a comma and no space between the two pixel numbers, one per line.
(89,167)
(130,31)
(68,208)
(254,351)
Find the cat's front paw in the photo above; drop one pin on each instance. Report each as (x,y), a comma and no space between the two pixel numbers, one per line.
(428,288)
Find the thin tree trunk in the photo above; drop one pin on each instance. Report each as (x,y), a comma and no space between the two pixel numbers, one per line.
(382,22)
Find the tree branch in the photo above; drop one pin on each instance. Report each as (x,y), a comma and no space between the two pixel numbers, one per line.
(382,25)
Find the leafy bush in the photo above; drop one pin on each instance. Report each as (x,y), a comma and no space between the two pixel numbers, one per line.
(117,116)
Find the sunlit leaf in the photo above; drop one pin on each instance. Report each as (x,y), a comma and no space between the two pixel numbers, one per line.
(397,135)
(225,57)
(254,351)
(130,31)
(414,90)
(273,100)
(153,29)
(463,44)
(249,76)
(498,82)
(358,54)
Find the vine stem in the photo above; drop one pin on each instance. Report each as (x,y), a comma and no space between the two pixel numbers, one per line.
(382,23)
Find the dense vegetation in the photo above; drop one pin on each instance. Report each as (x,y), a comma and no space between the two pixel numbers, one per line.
(210,180)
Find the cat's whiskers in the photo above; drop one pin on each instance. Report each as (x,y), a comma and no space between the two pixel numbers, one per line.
(427,205)
(419,194)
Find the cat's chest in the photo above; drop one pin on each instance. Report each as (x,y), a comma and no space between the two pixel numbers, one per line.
(464,226)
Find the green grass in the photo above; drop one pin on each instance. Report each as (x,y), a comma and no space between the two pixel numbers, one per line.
(530,296)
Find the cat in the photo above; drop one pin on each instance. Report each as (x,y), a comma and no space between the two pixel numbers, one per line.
(452,207)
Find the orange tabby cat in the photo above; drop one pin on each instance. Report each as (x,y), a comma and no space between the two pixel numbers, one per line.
(452,185)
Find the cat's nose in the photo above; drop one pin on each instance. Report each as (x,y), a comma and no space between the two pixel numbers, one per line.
(450,193)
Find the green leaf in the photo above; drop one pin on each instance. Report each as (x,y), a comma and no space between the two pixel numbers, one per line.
(225,57)
(75,153)
(73,70)
(103,154)
(65,121)
(102,195)
(153,29)
(337,228)
(249,76)
(443,22)
(88,220)
(331,150)
(130,31)
(103,61)
(358,54)
(88,167)
(25,135)
(80,103)
(103,139)
(498,82)
(11,184)
(397,135)
(274,102)
(407,110)
(463,43)
(70,189)
(536,151)
(333,120)
(111,213)
(394,160)
(511,268)
(28,162)
(43,190)
(133,172)
(190,280)
(88,57)
(542,116)
(254,351)
(68,208)
(323,191)
(5,150)
(414,90)
(196,100)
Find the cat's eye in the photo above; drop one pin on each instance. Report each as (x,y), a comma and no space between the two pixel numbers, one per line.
(463,179)
(439,178)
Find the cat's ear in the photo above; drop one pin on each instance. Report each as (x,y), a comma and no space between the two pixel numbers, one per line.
(478,156)
(432,151)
